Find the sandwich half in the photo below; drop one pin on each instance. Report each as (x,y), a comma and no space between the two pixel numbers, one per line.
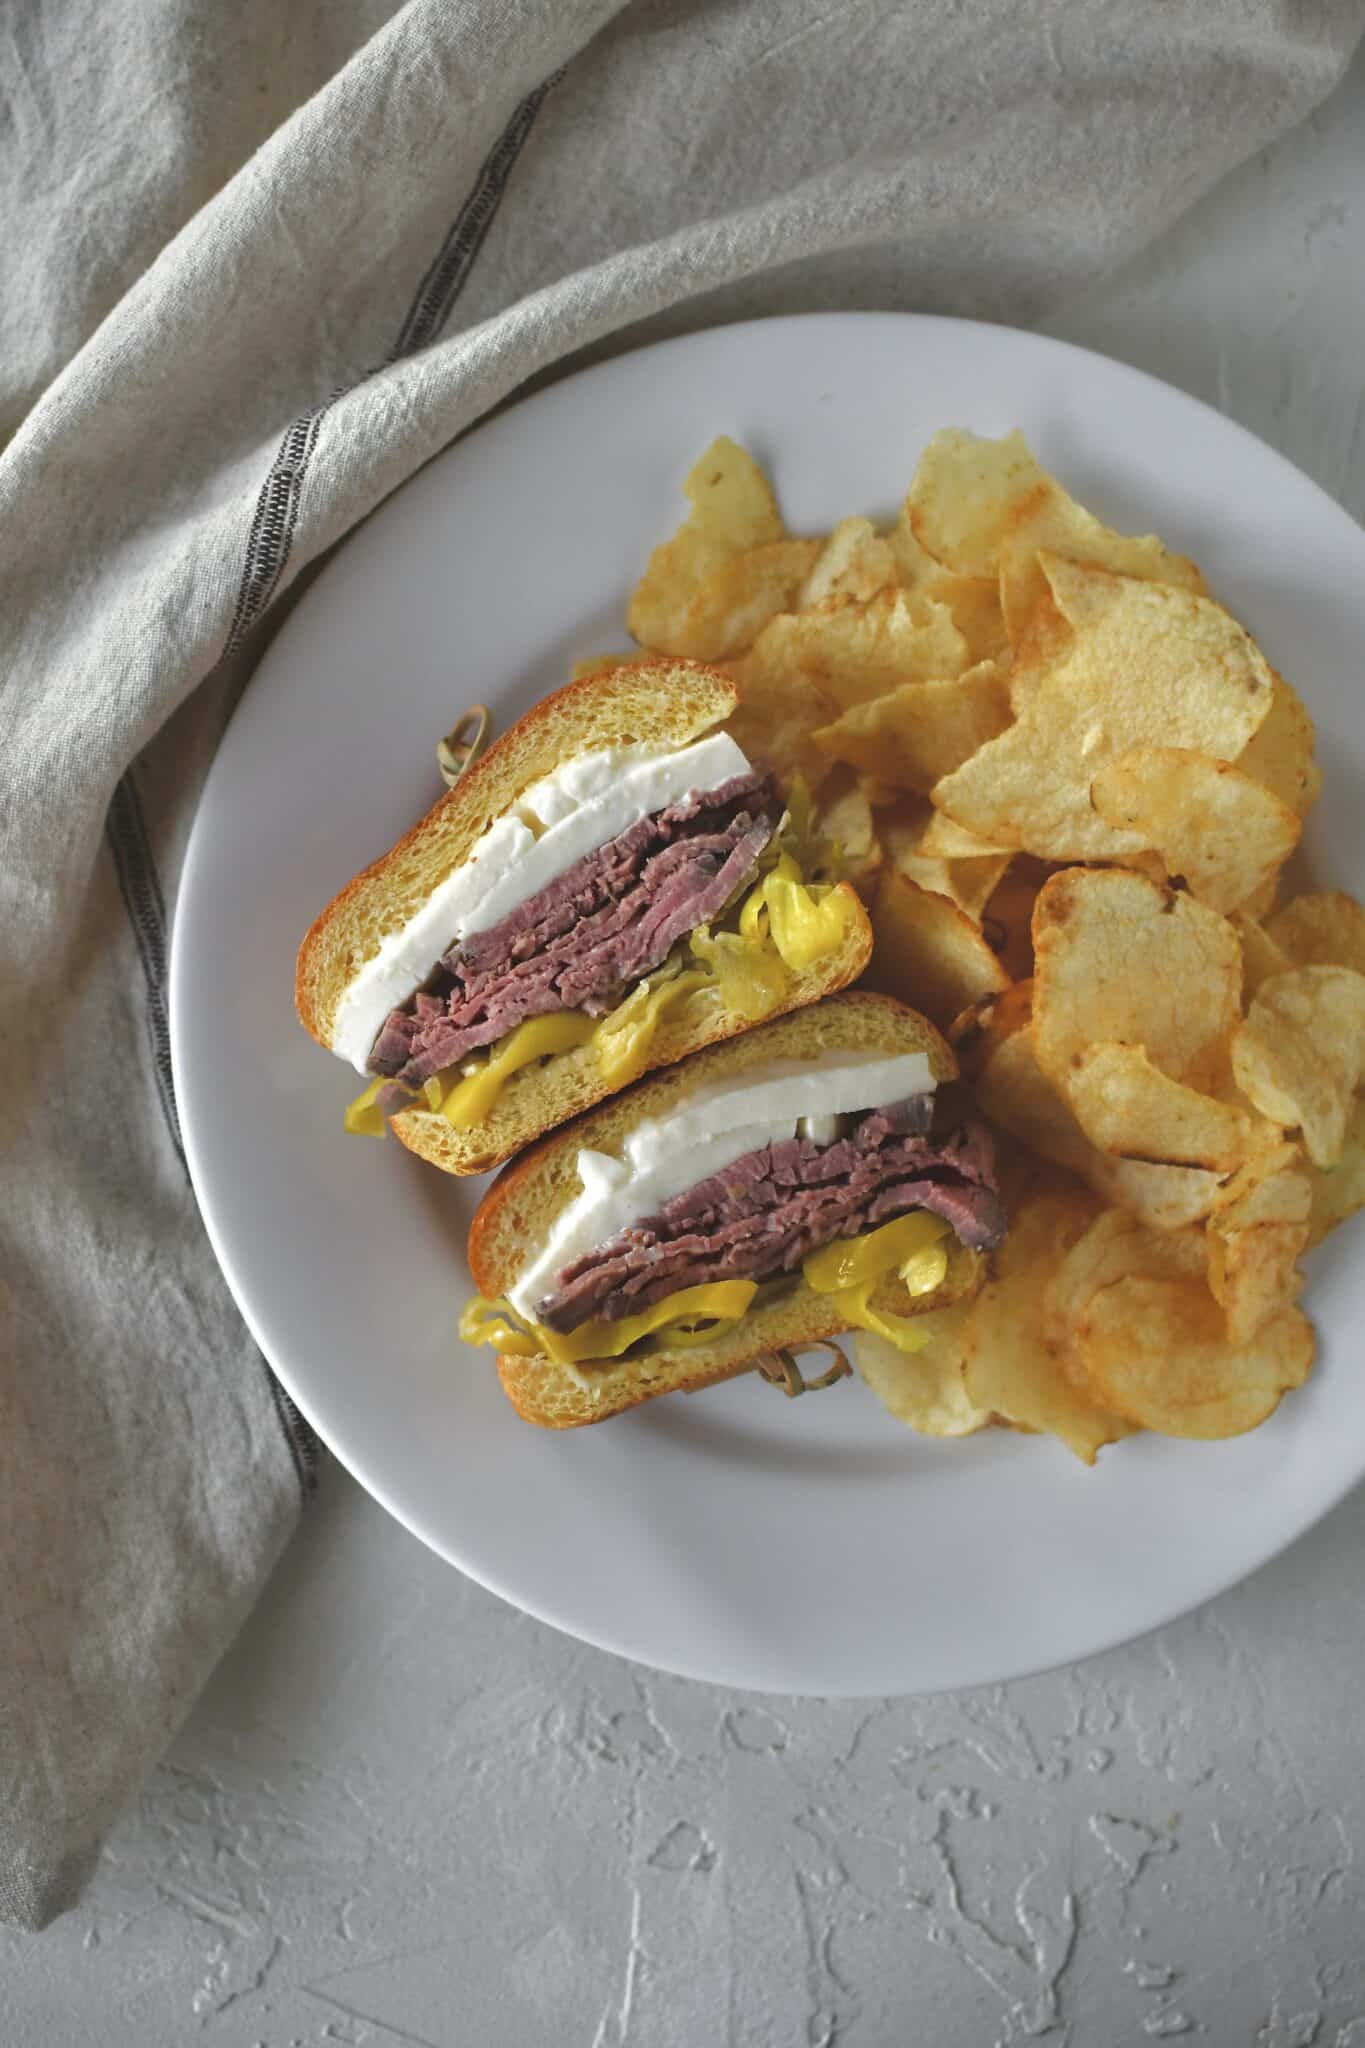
(806,1179)
(612,886)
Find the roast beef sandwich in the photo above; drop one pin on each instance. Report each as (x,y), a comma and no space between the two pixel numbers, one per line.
(810,1177)
(614,885)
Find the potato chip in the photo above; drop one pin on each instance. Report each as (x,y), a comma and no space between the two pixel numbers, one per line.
(1279,753)
(967,883)
(977,1032)
(1045,639)
(1014,1093)
(1301,1053)
(1147,665)
(974,602)
(1149,864)
(1327,930)
(904,829)
(1255,1238)
(1010,1369)
(735,602)
(972,885)
(1120,959)
(1049,524)
(1261,956)
(981,506)
(927,952)
(777,711)
(922,869)
(941,836)
(859,562)
(1167,1197)
(1263,1189)
(856,561)
(860,651)
(1127,1106)
(923,1388)
(1339,1191)
(903,824)
(845,816)
(1007,919)
(1261,903)
(915,566)
(733,509)
(1215,829)
(881,795)
(1116,1246)
(1157,1351)
(963,493)
(1252,1272)
(919,732)
(1023,578)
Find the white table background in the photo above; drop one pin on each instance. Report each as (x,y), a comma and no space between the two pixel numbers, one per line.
(403,1814)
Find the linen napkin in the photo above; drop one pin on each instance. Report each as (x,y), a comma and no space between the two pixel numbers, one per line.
(260,264)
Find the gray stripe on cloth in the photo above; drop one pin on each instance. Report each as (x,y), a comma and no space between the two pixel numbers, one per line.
(272,527)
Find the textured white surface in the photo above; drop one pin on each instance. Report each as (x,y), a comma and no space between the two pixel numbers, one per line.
(403,1814)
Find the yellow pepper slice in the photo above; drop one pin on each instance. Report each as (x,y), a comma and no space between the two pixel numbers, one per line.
(926,1270)
(902,1331)
(364,1118)
(806,923)
(851,1261)
(803,921)
(687,1335)
(817,857)
(851,1269)
(488,1322)
(471,1099)
(750,973)
(753,916)
(721,1301)
(625,1037)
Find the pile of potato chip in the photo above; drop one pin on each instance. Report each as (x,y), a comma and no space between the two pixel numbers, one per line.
(1067,782)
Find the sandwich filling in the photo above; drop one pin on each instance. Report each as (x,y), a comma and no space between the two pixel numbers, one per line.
(837,1175)
(763,1216)
(691,912)
(589,934)
(539,846)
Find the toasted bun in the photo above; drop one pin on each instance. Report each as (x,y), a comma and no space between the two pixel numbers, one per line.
(664,702)
(517,1212)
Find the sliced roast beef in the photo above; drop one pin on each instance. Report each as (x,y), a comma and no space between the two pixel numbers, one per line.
(583,940)
(760,1217)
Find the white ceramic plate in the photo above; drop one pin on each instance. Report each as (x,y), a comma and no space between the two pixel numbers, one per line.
(809,1546)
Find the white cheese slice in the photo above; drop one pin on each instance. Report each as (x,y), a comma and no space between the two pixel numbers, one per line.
(705,1132)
